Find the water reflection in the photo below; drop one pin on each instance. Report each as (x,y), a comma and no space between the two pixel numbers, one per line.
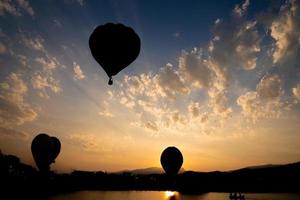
(171,195)
(166,195)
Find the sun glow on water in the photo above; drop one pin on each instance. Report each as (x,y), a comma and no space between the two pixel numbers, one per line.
(169,194)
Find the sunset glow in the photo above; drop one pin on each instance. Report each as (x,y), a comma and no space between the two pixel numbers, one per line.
(221,83)
(169,194)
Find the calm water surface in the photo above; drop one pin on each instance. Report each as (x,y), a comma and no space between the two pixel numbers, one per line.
(168,195)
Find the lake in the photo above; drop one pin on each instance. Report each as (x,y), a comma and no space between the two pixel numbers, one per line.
(167,195)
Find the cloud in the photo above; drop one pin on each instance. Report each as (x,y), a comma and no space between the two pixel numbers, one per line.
(151,126)
(196,112)
(26,6)
(235,43)
(127,102)
(135,84)
(158,85)
(81,2)
(194,109)
(269,87)
(285,30)
(177,118)
(33,43)
(100,144)
(13,134)
(177,34)
(78,74)
(198,72)
(103,144)
(3,48)
(169,83)
(43,78)
(14,7)
(89,142)
(153,95)
(218,102)
(150,107)
(143,95)
(23,60)
(105,113)
(14,110)
(42,82)
(7,6)
(105,108)
(57,23)
(296,92)
(194,69)
(215,77)
(47,63)
(265,101)
(240,10)
(249,103)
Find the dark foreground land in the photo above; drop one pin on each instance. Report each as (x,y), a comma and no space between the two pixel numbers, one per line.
(17,178)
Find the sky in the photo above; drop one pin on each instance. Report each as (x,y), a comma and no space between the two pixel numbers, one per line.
(217,79)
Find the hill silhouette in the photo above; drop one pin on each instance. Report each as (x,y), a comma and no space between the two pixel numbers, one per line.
(149,170)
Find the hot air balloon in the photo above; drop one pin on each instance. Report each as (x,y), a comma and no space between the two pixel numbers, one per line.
(114,47)
(44,150)
(171,160)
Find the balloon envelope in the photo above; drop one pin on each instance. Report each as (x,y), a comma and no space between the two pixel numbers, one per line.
(114,47)
(44,150)
(171,160)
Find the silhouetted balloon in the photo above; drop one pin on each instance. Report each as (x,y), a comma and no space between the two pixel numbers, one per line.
(171,160)
(44,150)
(114,47)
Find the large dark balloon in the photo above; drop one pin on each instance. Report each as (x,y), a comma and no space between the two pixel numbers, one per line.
(44,150)
(171,160)
(114,47)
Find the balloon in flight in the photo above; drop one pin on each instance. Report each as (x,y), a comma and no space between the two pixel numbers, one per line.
(171,160)
(45,149)
(114,47)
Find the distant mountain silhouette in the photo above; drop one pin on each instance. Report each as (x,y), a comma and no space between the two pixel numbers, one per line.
(149,170)
(260,166)
(145,171)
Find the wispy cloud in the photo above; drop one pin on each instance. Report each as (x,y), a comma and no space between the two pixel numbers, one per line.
(177,34)
(15,8)
(26,6)
(35,43)
(78,74)
(43,78)
(3,48)
(13,134)
(7,6)
(14,110)
(105,110)
(81,2)
(296,92)
(240,10)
